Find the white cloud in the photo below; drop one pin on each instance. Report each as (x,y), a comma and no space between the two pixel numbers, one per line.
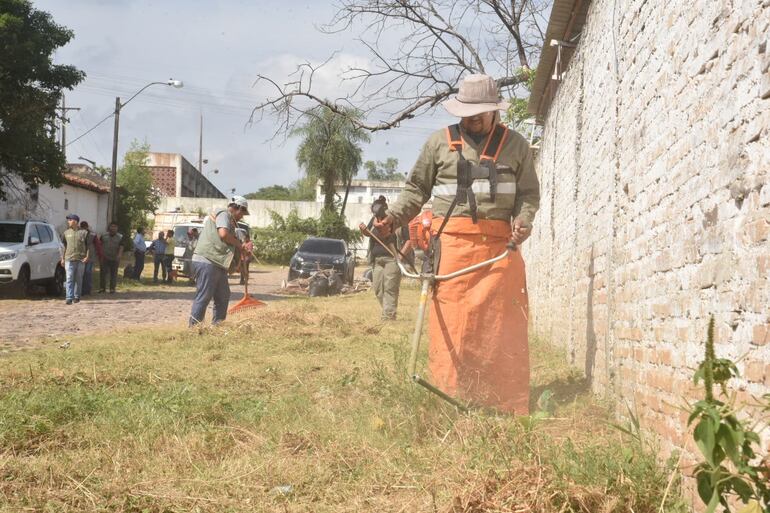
(217,49)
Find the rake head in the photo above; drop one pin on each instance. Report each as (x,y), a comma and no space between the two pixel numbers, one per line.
(247,303)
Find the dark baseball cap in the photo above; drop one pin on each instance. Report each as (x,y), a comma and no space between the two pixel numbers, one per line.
(74,216)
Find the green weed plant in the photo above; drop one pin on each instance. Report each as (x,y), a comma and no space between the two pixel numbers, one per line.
(730,446)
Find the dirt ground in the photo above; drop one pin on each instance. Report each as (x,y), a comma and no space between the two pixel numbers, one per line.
(44,320)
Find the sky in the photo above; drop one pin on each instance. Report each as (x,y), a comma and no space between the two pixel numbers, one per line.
(217,48)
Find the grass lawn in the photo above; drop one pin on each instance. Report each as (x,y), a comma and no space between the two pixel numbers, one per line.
(300,406)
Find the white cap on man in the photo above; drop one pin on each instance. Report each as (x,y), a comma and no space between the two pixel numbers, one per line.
(240,201)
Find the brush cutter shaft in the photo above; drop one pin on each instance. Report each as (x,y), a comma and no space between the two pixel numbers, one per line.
(424,293)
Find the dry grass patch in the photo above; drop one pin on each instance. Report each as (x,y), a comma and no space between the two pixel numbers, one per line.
(300,406)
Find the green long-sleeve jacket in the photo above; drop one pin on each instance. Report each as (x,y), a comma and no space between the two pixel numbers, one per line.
(435,174)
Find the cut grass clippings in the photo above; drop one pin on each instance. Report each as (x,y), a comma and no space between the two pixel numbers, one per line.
(300,406)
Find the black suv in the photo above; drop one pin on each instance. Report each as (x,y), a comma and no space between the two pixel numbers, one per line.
(320,253)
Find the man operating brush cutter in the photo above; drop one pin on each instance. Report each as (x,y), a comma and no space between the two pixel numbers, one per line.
(383,256)
(485,196)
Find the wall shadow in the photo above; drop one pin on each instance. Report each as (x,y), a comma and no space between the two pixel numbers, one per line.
(590,360)
(565,390)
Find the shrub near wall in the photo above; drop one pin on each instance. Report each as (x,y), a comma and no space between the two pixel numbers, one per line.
(277,243)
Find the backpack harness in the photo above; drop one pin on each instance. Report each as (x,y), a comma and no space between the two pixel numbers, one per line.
(467,171)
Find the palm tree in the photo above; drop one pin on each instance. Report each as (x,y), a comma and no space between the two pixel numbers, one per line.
(330,150)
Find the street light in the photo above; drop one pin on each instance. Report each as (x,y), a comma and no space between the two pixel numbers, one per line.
(112,200)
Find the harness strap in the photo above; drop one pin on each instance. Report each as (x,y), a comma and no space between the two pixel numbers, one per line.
(492,147)
(495,143)
(454,138)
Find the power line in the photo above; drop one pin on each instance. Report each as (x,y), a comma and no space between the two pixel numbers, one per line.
(91,129)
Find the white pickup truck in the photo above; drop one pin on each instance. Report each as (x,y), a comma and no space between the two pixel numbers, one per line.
(30,254)
(181,262)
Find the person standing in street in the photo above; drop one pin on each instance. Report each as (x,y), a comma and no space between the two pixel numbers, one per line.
(74,257)
(93,251)
(158,249)
(140,248)
(217,247)
(170,245)
(192,242)
(112,252)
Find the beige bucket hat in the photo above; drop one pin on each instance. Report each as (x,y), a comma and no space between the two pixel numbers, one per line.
(477,94)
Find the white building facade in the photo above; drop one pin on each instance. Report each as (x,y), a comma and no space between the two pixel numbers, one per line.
(365,191)
(83,193)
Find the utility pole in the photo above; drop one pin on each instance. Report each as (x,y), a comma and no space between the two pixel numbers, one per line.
(113,175)
(200,147)
(64,120)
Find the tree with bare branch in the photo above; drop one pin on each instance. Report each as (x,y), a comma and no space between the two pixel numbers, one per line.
(418,51)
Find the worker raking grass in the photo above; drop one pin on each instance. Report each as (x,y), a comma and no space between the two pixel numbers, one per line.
(485,195)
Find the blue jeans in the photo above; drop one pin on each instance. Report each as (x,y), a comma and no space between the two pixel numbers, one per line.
(88,274)
(210,282)
(74,283)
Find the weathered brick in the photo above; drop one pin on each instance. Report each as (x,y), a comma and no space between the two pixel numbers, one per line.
(761,334)
(757,231)
(755,371)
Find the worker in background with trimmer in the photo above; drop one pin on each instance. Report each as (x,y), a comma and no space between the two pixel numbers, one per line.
(386,276)
(217,249)
(485,195)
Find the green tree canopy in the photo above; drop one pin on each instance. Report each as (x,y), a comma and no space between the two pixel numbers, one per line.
(137,198)
(30,90)
(272,192)
(387,170)
(300,190)
(329,151)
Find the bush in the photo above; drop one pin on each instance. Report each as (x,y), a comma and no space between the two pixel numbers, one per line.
(278,242)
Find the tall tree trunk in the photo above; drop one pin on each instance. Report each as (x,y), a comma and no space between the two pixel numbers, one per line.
(329,191)
(347,191)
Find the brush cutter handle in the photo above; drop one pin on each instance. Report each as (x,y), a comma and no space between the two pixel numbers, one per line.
(473,267)
(442,277)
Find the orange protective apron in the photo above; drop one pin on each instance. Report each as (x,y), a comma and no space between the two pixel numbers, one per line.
(479,350)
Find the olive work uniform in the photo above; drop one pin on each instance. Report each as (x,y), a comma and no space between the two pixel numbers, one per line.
(478,321)
(386,276)
(435,173)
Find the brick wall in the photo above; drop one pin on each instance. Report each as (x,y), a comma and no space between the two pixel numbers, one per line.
(655,181)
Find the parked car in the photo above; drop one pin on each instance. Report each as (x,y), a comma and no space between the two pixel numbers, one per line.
(321,253)
(30,254)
